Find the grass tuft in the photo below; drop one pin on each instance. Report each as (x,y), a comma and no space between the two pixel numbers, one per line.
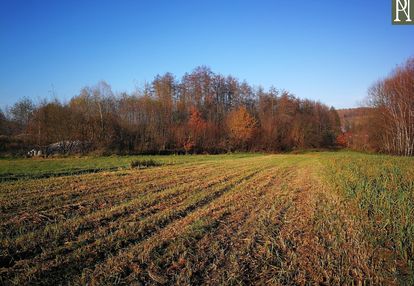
(145,163)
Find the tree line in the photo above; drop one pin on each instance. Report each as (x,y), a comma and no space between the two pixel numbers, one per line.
(201,112)
(388,123)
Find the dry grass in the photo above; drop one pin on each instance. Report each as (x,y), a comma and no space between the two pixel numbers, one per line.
(321,218)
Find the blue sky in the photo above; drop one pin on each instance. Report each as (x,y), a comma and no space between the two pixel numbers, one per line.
(330,51)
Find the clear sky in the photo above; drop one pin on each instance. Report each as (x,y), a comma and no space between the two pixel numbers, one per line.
(330,51)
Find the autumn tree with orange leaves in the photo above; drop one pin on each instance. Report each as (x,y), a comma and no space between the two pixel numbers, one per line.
(242,126)
(196,130)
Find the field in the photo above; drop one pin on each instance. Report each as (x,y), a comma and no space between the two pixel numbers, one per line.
(314,218)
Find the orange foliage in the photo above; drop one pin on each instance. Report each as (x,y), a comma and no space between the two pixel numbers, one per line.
(241,124)
(197,127)
(196,123)
(341,140)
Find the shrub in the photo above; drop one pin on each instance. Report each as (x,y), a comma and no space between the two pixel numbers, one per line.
(144,163)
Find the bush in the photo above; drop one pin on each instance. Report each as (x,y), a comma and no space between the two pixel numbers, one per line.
(144,163)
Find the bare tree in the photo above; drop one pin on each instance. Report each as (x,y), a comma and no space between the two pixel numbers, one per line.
(393,100)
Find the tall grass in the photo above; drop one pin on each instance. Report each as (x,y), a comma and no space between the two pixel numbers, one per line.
(382,188)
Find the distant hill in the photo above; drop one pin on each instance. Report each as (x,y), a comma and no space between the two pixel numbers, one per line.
(352,117)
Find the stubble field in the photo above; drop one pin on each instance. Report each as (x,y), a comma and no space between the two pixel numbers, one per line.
(331,218)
